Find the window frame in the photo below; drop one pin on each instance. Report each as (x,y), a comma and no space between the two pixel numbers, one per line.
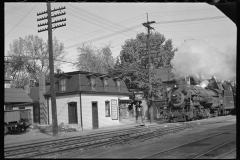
(106,87)
(107,109)
(118,86)
(60,84)
(93,86)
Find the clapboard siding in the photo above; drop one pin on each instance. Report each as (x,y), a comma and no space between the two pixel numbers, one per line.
(62,108)
(103,121)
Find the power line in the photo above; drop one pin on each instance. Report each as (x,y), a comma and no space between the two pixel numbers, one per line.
(100,18)
(104,27)
(210,10)
(101,29)
(14,9)
(137,26)
(105,36)
(190,20)
(26,57)
(21,19)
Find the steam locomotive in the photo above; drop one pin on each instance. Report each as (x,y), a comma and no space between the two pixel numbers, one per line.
(190,102)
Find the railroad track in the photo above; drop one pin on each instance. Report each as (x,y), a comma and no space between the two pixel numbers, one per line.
(224,156)
(215,151)
(206,154)
(36,149)
(62,146)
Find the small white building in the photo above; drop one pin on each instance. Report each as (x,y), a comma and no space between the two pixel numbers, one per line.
(89,100)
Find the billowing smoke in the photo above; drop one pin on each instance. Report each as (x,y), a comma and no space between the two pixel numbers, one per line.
(204,84)
(196,57)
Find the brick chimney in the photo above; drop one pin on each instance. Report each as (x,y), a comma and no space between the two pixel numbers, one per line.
(42,102)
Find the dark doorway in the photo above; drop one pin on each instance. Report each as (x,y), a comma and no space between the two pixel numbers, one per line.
(72,113)
(36,114)
(95,115)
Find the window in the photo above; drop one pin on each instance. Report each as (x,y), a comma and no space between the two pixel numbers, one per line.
(93,83)
(119,85)
(107,108)
(63,85)
(7,85)
(106,84)
(9,107)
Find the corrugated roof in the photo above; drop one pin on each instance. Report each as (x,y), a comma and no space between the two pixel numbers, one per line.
(34,93)
(13,95)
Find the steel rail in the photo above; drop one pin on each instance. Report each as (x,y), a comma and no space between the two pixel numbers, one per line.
(214,149)
(65,149)
(151,129)
(225,154)
(50,142)
(43,151)
(100,137)
(142,138)
(187,144)
(136,139)
(74,147)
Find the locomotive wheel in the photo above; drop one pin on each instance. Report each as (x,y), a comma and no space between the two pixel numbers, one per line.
(5,130)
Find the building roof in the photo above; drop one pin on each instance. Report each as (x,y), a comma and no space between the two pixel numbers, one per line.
(8,79)
(15,95)
(34,93)
(79,82)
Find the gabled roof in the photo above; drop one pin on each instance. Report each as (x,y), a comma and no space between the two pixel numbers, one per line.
(15,95)
(34,93)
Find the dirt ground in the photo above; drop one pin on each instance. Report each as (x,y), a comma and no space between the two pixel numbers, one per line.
(35,135)
(152,146)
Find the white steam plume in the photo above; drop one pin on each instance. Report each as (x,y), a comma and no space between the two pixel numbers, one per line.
(196,57)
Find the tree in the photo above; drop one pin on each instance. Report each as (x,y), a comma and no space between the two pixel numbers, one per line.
(28,56)
(93,59)
(132,64)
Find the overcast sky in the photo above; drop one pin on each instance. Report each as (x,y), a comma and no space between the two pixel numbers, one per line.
(114,23)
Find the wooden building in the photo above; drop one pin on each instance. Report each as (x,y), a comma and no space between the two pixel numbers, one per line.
(17,98)
(87,100)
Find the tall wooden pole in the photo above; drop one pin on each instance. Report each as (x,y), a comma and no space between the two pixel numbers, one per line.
(147,25)
(52,80)
(51,63)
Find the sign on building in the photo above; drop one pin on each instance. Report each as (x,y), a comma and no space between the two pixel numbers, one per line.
(114,109)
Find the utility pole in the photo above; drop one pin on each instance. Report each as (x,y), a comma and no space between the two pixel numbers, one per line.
(51,63)
(147,25)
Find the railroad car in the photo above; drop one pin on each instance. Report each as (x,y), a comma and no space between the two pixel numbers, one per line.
(16,120)
(190,102)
